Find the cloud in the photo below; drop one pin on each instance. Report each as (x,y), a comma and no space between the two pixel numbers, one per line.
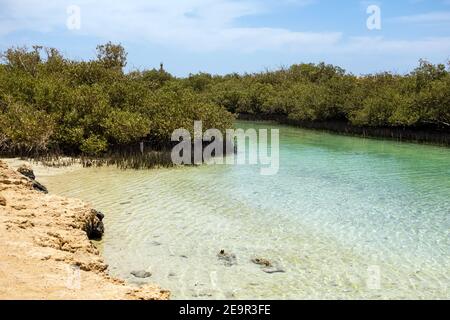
(430,17)
(381,45)
(206,26)
(197,25)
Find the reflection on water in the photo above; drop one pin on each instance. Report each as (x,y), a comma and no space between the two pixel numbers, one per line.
(344,218)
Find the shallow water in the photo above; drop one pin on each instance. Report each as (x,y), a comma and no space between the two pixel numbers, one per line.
(344,218)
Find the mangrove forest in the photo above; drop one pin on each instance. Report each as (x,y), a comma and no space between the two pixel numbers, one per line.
(49,103)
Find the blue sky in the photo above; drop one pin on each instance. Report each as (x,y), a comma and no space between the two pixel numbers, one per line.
(222,36)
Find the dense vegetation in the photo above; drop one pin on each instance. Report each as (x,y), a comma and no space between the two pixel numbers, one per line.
(324,92)
(50,103)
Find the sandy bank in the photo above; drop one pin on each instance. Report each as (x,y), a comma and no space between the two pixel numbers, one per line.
(45,252)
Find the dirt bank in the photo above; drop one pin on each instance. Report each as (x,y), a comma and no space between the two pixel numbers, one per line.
(45,252)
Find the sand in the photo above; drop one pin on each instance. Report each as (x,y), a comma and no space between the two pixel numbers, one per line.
(45,252)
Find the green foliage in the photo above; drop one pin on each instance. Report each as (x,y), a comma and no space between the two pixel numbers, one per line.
(309,92)
(49,102)
(112,56)
(94,145)
(175,106)
(125,127)
(24,128)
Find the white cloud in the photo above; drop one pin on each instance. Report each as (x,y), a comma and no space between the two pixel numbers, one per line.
(430,17)
(203,25)
(380,45)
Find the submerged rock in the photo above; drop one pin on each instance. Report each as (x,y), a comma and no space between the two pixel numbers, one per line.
(141,274)
(262,262)
(268,266)
(229,259)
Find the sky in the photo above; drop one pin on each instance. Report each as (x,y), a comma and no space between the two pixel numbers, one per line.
(224,36)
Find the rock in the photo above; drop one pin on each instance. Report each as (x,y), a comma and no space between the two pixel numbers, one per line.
(268,266)
(95,229)
(97,232)
(2,201)
(229,259)
(27,171)
(262,262)
(141,274)
(99,214)
(39,187)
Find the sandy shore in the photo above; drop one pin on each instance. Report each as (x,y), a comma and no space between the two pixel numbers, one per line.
(45,252)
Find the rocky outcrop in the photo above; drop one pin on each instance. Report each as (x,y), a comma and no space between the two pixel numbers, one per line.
(45,251)
(94,226)
(27,171)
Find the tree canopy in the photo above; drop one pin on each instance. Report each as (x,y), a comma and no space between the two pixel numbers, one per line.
(49,102)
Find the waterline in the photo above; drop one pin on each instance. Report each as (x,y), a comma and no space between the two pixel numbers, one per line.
(340,210)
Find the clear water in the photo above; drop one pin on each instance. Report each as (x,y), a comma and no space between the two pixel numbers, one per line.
(345,218)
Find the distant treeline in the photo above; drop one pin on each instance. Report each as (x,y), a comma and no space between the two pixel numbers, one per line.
(49,103)
(415,106)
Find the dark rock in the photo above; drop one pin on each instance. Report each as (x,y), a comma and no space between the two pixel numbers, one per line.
(96,228)
(99,214)
(229,259)
(39,187)
(97,232)
(27,171)
(141,274)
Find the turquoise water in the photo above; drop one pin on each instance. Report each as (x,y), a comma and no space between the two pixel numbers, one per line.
(344,217)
